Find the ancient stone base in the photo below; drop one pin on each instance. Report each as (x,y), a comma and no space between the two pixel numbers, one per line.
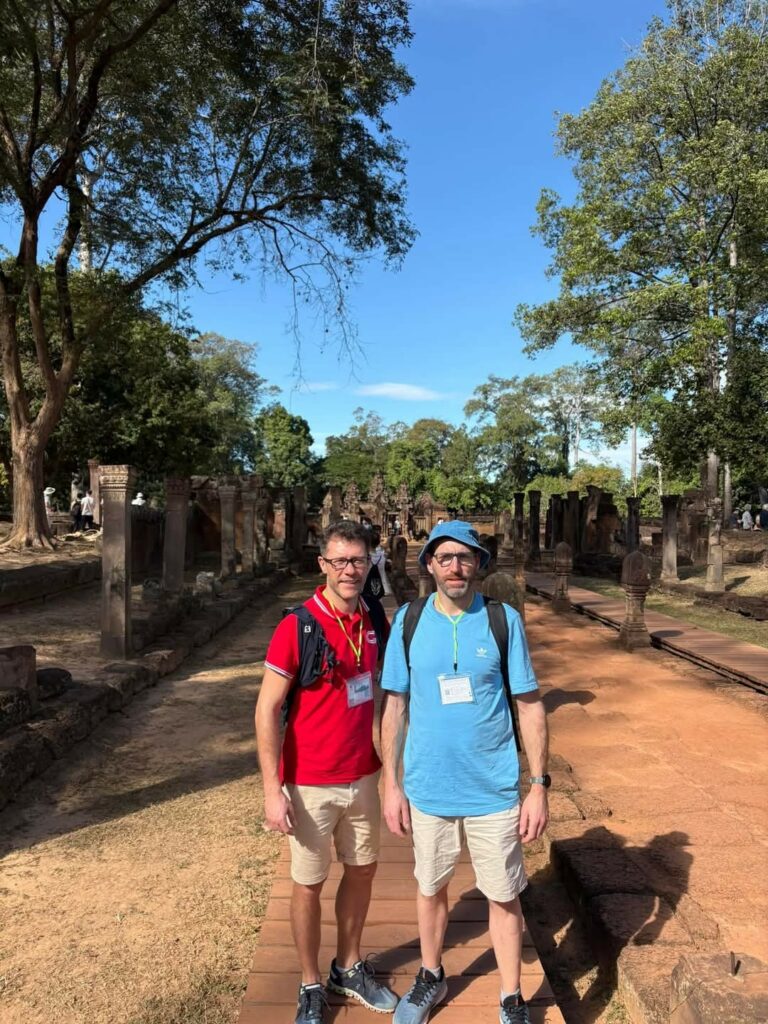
(704,990)
(633,638)
(561,605)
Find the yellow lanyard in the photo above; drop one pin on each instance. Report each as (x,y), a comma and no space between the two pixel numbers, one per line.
(454,620)
(357,649)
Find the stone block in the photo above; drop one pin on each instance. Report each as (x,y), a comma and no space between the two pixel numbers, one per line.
(591,806)
(705,991)
(593,870)
(166,659)
(15,708)
(18,669)
(62,729)
(93,698)
(642,919)
(52,682)
(23,754)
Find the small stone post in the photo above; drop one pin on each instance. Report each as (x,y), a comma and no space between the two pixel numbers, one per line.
(534,529)
(715,583)
(117,484)
(563,569)
(174,541)
(633,525)
(636,582)
(95,489)
(18,671)
(260,529)
(557,519)
(519,517)
(249,496)
(670,505)
(509,541)
(571,528)
(227,492)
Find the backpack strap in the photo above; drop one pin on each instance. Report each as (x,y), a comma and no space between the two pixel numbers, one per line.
(378,618)
(411,618)
(497,618)
(315,653)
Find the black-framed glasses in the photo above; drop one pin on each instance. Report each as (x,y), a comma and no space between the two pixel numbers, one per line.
(465,560)
(358,562)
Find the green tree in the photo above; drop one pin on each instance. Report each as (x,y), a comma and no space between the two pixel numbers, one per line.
(414,456)
(665,241)
(283,447)
(159,132)
(357,455)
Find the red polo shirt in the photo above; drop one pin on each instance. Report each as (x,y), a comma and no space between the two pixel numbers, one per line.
(326,742)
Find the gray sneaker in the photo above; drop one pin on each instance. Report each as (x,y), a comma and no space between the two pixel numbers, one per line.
(311,1005)
(359,983)
(421,998)
(514,1010)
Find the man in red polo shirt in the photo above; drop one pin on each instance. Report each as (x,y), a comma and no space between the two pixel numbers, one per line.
(321,780)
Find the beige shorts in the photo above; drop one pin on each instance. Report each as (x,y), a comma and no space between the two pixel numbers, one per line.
(350,815)
(494,847)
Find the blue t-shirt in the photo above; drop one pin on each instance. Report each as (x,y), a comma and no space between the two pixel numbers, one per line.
(460,759)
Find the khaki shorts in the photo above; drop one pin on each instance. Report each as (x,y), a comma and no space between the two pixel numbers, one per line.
(494,847)
(350,815)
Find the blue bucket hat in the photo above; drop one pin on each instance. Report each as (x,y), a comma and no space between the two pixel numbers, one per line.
(458,530)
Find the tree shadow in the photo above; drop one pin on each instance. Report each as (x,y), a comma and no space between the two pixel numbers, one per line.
(556,698)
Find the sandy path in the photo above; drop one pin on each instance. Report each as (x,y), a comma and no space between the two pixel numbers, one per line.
(133,876)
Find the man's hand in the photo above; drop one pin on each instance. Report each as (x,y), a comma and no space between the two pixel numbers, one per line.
(534,814)
(278,813)
(397,812)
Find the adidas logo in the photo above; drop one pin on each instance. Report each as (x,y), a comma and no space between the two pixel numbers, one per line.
(481,652)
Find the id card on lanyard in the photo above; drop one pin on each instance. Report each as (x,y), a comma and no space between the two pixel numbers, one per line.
(456,688)
(359,690)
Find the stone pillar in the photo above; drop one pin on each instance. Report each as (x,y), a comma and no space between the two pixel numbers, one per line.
(534,529)
(174,541)
(95,488)
(260,538)
(563,569)
(249,496)
(632,526)
(548,527)
(509,541)
(670,505)
(117,483)
(715,583)
(299,525)
(227,492)
(589,542)
(519,517)
(519,561)
(571,524)
(557,519)
(426,583)
(636,582)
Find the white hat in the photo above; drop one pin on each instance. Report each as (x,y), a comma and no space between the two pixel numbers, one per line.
(49,490)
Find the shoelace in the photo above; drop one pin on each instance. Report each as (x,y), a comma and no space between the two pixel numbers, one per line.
(517,1014)
(312,1002)
(422,989)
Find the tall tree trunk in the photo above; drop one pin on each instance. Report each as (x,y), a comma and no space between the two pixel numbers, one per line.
(30,522)
(713,466)
(634,459)
(727,493)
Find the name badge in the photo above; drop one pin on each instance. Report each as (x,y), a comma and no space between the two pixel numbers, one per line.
(359,690)
(456,689)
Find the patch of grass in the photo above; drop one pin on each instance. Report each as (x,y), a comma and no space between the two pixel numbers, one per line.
(211,999)
(739,627)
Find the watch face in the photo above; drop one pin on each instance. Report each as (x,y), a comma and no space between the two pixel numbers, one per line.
(547,782)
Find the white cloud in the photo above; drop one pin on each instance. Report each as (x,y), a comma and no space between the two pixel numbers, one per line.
(403,392)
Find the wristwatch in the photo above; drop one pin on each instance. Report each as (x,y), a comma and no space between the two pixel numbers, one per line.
(541,780)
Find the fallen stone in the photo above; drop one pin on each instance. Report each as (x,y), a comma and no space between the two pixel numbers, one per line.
(94,698)
(15,707)
(593,870)
(590,805)
(51,682)
(23,754)
(705,991)
(62,729)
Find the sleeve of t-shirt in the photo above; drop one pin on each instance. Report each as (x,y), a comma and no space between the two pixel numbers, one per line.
(394,674)
(522,678)
(283,651)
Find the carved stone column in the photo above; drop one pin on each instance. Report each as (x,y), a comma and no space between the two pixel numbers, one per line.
(636,582)
(519,517)
(426,583)
(563,569)
(509,541)
(227,492)
(534,528)
(632,528)
(175,539)
(557,519)
(670,505)
(571,520)
(95,489)
(249,496)
(715,583)
(117,483)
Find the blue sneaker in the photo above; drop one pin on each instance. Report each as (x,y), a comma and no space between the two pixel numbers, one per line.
(359,982)
(311,1005)
(421,998)
(514,1010)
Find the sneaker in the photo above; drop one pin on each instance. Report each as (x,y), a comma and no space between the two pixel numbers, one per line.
(514,1010)
(311,1005)
(421,998)
(359,983)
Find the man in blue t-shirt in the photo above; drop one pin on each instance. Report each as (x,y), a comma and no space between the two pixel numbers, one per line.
(460,767)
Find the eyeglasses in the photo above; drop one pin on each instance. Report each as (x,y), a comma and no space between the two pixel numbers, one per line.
(341,563)
(466,561)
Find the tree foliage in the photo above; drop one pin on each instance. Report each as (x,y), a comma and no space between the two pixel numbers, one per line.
(662,259)
(283,444)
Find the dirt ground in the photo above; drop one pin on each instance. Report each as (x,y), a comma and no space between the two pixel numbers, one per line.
(134,875)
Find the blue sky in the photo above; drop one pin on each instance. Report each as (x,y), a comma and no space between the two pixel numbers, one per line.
(490,77)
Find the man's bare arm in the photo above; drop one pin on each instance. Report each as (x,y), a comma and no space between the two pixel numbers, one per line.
(393,725)
(278,813)
(532,717)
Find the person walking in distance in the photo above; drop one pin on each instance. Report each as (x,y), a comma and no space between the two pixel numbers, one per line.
(86,511)
(453,695)
(321,780)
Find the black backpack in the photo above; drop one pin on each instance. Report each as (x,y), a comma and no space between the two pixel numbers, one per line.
(316,656)
(499,627)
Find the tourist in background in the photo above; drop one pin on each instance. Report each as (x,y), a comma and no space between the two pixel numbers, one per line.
(76,510)
(747,522)
(86,511)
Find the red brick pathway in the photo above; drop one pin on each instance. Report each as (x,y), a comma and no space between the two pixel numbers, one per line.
(391,933)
